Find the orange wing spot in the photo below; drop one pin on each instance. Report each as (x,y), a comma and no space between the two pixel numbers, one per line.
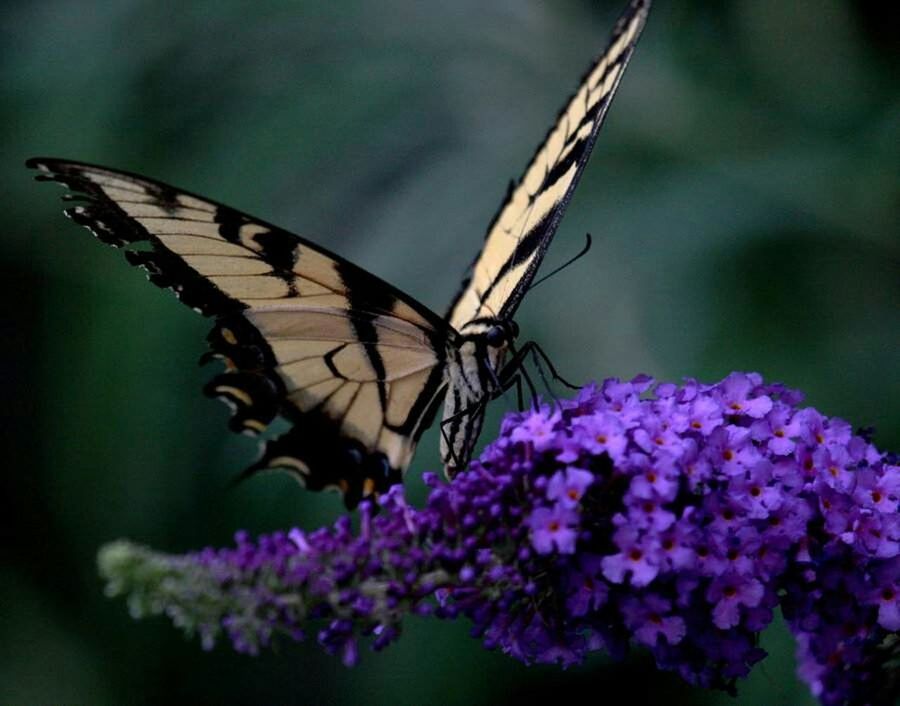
(229,336)
(368,487)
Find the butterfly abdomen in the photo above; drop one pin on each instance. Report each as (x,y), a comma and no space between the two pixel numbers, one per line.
(472,382)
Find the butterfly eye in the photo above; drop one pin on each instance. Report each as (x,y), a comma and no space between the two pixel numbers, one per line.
(495,336)
(379,467)
(354,456)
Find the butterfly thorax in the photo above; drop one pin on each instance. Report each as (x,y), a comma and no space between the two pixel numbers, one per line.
(474,364)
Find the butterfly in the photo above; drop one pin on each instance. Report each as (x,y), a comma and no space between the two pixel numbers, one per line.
(355,366)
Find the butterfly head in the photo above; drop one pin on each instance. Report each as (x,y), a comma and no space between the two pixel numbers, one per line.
(492,333)
(485,344)
(501,333)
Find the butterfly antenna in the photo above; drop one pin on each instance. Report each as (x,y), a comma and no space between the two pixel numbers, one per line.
(584,251)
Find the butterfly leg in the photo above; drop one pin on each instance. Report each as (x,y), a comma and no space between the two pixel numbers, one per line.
(512,378)
(529,349)
(515,368)
(511,375)
(537,355)
(517,381)
(544,380)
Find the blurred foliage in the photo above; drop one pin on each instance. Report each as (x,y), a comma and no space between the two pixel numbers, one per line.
(744,198)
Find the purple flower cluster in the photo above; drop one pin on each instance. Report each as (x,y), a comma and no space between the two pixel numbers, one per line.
(674,517)
(353,583)
(720,503)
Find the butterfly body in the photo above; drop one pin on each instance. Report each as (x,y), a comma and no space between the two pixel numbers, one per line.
(355,366)
(474,372)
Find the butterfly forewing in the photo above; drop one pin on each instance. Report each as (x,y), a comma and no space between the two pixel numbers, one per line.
(524,225)
(351,361)
(522,229)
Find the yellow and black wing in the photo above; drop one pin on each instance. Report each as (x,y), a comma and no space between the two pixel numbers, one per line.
(525,224)
(356,365)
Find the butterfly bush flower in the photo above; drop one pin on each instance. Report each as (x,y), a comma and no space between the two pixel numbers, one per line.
(676,518)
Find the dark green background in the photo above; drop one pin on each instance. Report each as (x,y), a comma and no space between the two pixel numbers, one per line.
(744,198)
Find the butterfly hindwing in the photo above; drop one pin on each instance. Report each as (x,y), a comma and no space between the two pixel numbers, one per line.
(352,362)
(528,218)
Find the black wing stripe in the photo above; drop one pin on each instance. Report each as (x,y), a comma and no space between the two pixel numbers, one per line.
(365,329)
